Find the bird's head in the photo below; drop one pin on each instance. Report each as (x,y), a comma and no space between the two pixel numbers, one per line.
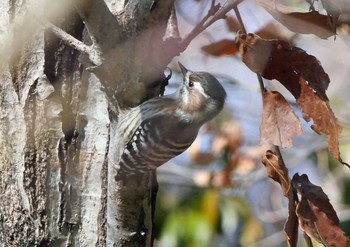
(201,93)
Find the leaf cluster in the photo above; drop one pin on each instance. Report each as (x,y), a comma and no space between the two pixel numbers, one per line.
(275,58)
(308,205)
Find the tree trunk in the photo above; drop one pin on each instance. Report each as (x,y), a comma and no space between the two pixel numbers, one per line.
(68,70)
(58,138)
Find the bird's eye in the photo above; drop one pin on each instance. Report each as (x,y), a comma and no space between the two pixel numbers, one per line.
(190,84)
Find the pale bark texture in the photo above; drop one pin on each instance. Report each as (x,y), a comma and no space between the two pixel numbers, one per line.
(58,104)
(68,70)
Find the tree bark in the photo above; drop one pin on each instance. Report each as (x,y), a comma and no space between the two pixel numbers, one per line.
(58,138)
(68,70)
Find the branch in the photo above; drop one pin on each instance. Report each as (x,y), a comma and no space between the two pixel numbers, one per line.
(99,22)
(92,51)
(172,30)
(216,12)
(69,39)
(94,54)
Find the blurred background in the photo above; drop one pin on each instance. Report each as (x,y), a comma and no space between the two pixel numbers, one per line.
(217,193)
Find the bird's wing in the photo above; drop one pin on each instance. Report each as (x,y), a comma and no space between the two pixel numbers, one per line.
(153,143)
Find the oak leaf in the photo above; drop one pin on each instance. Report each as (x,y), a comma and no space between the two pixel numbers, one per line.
(279,122)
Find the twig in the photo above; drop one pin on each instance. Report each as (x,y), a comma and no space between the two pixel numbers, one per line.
(197,29)
(261,83)
(215,13)
(279,154)
(239,17)
(91,51)
(69,39)
(241,24)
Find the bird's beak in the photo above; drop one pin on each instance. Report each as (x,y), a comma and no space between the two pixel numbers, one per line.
(183,69)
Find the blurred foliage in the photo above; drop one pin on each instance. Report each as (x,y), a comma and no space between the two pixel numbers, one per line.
(202,217)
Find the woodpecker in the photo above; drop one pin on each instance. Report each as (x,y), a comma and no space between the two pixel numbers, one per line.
(164,127)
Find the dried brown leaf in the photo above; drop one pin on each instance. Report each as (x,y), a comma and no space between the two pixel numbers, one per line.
(324,121)
(292,224)
(279,172)
(279,122)
(272,31)
(315,194)
(276,170)
(301,74)
(317,216)
(276,59)
(306,23)
(221,48)
(254,51)
(232,24)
